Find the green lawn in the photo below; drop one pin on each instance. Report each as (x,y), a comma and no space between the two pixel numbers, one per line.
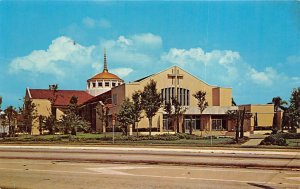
(293,142)
(132,140)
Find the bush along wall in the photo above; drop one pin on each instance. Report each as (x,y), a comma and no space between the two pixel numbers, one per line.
(279,139)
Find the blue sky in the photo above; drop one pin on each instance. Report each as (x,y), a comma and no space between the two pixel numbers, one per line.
(253,47)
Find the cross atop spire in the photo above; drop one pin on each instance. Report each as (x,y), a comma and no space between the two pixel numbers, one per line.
(105,69)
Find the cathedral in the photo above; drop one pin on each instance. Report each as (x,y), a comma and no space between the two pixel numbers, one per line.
(105,91)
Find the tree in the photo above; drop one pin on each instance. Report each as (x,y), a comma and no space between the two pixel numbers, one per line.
(233,102)
(169,113)
(178,111)
(11,115)
(103,113)
(41,123)
(137,109)
(53,98)
(202,103)
(238,116)
(71,122)
(50,124)
(125,115)
(0,102)
(278,103)
(29,114)
(294,109)
(151,102)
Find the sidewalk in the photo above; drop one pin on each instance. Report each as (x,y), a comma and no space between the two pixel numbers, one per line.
(160,149)
(192,157)
(252,142)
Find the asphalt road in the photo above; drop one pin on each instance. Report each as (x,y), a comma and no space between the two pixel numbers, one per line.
(33,167)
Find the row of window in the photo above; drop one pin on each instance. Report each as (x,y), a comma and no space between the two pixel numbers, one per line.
(195,123)
(183,95)
(106,84)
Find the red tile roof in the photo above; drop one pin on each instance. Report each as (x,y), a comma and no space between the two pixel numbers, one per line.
(104,97)
(62,96)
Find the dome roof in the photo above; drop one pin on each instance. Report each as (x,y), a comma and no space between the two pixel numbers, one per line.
(104,75)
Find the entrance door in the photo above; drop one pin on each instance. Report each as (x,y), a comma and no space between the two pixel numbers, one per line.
(187,123)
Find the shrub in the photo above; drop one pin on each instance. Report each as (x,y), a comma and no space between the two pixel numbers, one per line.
(274,140)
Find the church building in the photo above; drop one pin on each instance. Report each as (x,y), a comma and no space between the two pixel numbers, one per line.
(105,93)
(173,82)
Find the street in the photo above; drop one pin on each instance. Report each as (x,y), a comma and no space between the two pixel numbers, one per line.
(34,167)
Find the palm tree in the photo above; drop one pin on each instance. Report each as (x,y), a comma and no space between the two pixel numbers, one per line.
(278,103)
(11,115)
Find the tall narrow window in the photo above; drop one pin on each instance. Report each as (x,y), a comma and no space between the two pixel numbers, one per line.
(188,97)
(162,96)
(178,95)
(183,96)
(173,92)
(167,95)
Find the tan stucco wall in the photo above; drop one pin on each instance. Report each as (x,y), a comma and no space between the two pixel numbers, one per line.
(265,113)
(43,107)
(59,114)
(225,96)
(119,91)
(221,96)
(190,82)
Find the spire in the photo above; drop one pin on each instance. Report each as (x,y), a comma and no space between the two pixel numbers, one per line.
(105,69)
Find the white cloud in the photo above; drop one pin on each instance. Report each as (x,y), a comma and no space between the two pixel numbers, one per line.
(221,67)
(122,72)
(89,22)
(93,23)
(217,66)
(296,80)
(141,49)
(266,77)
(122,41)
(70,63)
(197,55)
(63,54)
(103,23)
(149,39)
(229,57)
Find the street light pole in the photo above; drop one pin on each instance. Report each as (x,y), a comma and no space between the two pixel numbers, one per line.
(113,124)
